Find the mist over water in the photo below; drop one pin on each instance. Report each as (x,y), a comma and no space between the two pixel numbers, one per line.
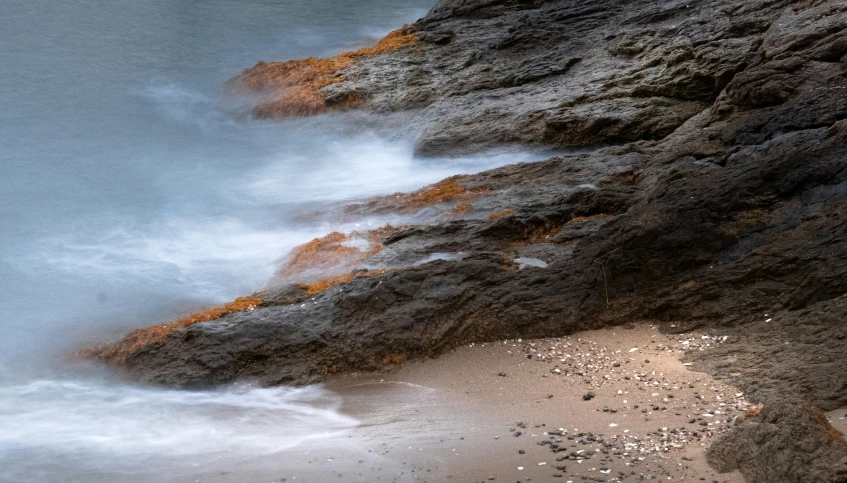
(107,430)
(134,191)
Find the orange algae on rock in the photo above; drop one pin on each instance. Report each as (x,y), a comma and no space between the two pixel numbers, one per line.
(448,190)
(294,86)
(326,283)
(321,285)
(753,411)
(331,254)
(445,190)
(494,216)
(320,254)
(136,340)
(459,210)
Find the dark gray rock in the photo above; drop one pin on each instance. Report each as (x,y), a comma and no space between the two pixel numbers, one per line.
(787,441)
(566,72)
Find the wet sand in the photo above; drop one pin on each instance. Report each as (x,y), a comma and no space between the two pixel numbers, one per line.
(521,411)
(486,412)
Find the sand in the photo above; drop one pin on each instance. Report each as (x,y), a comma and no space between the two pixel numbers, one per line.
(486,413)
(838,419)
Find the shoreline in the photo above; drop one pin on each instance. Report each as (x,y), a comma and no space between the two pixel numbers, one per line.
(456,418)
(532,403)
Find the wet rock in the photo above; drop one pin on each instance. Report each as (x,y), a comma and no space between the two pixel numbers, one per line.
(554,72)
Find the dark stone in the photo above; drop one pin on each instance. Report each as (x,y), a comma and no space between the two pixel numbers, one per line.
(788,441)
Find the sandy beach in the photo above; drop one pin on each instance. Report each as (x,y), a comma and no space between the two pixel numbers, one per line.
(610,405)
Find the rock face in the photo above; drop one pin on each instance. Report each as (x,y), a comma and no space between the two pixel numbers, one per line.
(720,200)
(563,73)
(787,441)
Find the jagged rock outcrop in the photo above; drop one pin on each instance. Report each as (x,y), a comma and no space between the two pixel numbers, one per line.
(563,73)
(722,202)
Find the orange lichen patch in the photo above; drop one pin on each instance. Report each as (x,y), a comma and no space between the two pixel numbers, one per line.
(396,39)
(753,411)
(294,86)
(540,234)
(494,216)
(580,219)
(379,235)
(326,283)
(136,340)
(320,254)
(292,102)
(459,210)
(445,191)
(331,255)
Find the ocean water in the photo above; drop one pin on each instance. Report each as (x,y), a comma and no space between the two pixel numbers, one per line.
(134,192)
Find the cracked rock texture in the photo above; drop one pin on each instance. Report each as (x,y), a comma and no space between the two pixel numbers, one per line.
(787,441)
(716,198)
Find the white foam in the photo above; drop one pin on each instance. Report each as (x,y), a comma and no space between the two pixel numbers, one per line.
(365,165)
(203,255)
(119,425)
(524,262)
(187,106)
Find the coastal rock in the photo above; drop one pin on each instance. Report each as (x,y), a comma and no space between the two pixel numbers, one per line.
(556,72)
(787,441)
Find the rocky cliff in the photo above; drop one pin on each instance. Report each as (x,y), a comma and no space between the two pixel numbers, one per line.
(711,192)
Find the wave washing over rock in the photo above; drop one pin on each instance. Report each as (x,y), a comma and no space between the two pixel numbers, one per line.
(710,191)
